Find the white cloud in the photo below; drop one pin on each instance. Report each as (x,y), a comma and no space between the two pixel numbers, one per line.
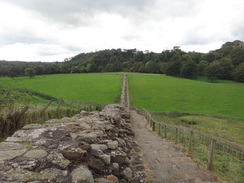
(34,30)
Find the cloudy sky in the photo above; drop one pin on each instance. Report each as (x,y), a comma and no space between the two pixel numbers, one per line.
(51,30)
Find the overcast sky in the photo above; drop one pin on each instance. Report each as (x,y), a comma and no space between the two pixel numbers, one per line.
(52,30)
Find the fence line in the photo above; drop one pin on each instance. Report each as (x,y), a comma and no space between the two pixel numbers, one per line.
(18,118)
(222,156)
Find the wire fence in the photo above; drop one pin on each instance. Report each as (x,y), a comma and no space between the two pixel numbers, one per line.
(223,157)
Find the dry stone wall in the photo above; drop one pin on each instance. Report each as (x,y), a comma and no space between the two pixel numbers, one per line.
(124,94)
(90,147)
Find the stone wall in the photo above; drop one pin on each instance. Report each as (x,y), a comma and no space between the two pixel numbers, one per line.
(90,147)
(124,101)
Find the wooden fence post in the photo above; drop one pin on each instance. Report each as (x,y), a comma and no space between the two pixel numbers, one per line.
(22,112)
(190,142)
(165,131)
(71,105)
(59,103)
(79,107)
(211,154)
(16,121)
(45,108)
(159,129)
(176,135)
(154,124)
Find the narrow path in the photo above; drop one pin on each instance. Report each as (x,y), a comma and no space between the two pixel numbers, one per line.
(166,162)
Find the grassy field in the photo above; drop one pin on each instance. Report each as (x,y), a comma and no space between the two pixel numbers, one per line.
(159,93)
(98,88)
(11,98)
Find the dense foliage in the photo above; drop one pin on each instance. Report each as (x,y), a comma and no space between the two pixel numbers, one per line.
(224,63)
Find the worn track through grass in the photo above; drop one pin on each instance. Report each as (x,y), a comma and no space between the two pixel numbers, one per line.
(166,162)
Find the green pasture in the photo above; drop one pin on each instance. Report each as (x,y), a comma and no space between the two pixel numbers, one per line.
(98,88)
(160,93)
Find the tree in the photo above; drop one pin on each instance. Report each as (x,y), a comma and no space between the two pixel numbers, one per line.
(65,68)
(238,74)
(186,58)
(142,68)
(188,70)
(228,68)
(163,67)
(82,69)
(30,72)
(196,56)
(201,66)
(74,69)
(152,67)
(91,67)
(173,68)
(237,55)
(209,57)
(136,66)
(138,57)
(109,68)
(214,71)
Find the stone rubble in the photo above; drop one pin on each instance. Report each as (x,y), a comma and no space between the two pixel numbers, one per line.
(90,147)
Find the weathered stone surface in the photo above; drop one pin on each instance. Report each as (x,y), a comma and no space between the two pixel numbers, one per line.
(12,146)
(55,175)
(82,175)
(36,153)
(32,126)
(29,134)
(11,154)
(58,159)
(118,157)
(112,144)
(113,178)
(115,165)
(24,164)
(87,134)
(96,151)
(105,158)
(102,147)
(74,153)
(103,180)
(85,147)
(127,173)
(96,165)
(15,139)
(56,134)
(84,113)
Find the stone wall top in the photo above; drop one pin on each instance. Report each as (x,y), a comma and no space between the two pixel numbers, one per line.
(89,147)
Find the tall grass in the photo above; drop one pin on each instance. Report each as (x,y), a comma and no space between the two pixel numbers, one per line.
(229,129)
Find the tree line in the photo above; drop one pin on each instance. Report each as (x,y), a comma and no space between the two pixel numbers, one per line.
(225,63)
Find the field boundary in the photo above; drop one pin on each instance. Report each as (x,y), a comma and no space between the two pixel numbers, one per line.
(125,92)
(210,150)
